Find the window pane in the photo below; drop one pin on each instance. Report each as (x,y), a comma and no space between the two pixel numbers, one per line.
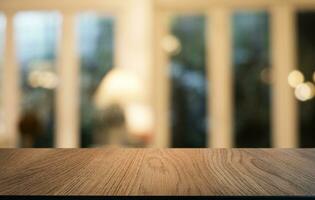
(251,79)
(2,127)
(96,45)
(188,82)
(306,64)
(36,39)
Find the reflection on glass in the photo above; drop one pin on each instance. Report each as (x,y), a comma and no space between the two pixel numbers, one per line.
(36,39)
(251,79)
(188,81)
(96,43)
(306,64)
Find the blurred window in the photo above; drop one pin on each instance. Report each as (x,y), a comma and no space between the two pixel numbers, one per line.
(306,64)
(96,47)
(251,79)
(188,81)
(36,36)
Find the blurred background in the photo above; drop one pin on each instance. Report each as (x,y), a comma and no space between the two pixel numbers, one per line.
(157,73)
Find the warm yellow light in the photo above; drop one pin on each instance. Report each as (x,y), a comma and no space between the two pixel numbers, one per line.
(44,79)
(295,78)
(33,79)
(48,80)
(119,86)
(305,91)
(139,119)
(171,45)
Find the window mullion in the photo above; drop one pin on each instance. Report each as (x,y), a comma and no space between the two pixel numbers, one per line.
(67,101)
(219,72)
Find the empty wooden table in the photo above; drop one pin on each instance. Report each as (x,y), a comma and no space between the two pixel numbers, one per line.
(117,171)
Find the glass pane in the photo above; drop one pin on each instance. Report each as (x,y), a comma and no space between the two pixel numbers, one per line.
(96,45)
(306,64)
(36,39)
(251,79)
(2,128)
(188,82)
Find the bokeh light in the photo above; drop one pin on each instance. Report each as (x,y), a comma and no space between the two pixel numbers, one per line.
(265,76)
(295,78)
(171,45)
(44,79)
(305,91)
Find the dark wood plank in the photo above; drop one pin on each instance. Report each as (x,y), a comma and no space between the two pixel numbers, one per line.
(116,171)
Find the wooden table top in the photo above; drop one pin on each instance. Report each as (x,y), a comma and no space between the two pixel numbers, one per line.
(117,171)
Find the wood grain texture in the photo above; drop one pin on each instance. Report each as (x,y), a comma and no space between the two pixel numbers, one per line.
(116,171)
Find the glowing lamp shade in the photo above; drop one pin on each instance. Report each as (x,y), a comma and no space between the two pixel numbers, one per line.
(139,119)
(118,87)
